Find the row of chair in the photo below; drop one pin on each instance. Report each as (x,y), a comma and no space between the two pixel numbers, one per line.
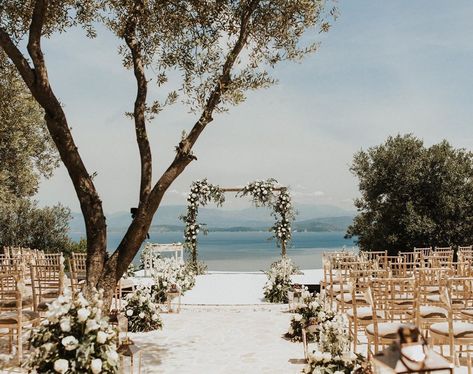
(379,292)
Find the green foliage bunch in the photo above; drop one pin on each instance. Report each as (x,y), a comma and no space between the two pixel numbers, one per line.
(413,195)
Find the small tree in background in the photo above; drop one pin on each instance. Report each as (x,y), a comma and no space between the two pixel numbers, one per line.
(413,196)
(222,50)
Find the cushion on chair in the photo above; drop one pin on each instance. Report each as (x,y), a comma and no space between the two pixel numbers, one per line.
(386,330)
(10,318)
(460,329)
(347,297)
(437,299)
(127,283)
(337,288)
(467,312)
(364,313)
(430,311)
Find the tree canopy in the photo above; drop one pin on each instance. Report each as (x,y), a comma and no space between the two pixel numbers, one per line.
(27,151)
(413,195)
(216,51)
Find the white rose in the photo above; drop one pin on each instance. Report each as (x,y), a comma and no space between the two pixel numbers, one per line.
(129,312)
(91,325)
(141,315)
(297,317)
(142,299)
(154,317)
(96,366)
(65,324)
(69,342)
(83,314)
(101,337)
(61,365)
(112,357)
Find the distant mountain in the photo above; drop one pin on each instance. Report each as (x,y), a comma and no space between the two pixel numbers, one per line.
(324,224)
(310,218)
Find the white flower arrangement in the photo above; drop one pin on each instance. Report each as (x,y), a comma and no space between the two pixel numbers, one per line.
(74,338)
(333,354)
(201,194)
(262,193)
(141,311)
(310,310)
(169,273)
(279,280)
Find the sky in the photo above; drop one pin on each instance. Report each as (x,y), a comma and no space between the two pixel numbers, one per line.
(385,68)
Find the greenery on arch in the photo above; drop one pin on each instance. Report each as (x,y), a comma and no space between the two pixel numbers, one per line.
(263,194)
(202,193)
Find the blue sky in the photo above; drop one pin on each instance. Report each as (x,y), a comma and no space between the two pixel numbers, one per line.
(386,67)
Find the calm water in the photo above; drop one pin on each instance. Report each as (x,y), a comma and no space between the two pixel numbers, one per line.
(250,251)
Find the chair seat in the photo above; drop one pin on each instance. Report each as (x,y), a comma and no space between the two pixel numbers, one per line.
(337,288)
(430,311)
(26,302)
(467,312)
(347,297)
(460,329)
(11,318)
(386,330)
(127,283)
(437,299)
(364,313)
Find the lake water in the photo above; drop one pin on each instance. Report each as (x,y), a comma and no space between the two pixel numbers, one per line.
(249,251)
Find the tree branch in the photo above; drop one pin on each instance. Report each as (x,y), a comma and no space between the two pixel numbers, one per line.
(137,230)
(140,103)
(185,146)
(20,62)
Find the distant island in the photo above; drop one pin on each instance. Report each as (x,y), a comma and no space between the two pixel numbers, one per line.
(326,224)
(310,218)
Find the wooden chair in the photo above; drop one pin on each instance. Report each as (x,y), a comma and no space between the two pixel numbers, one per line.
(390,298)
(456,331)
(47,283)
(361,313)
(430,308)
(12,316)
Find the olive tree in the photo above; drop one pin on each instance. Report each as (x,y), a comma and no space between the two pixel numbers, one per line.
(27,151)
(221,49)
(413,195)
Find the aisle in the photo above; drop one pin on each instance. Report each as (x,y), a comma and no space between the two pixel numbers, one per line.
(238,288)
(224,339)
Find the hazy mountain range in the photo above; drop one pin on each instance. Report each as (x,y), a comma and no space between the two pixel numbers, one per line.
(309,218)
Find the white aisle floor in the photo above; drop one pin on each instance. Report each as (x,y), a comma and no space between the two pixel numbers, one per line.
(223,339)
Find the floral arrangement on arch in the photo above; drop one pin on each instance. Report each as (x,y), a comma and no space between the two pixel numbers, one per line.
(169,273)
(279,280)
(74,338)
(310,310)
(201,193)
(141,311)
(333,354)
(262,193)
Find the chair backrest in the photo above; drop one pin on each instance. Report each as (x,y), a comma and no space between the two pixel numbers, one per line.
(393,298)
(47,282)
(11,291)
(465,253)
(78,269)
(410,257)
(423,251)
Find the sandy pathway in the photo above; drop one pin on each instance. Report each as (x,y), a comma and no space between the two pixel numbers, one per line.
(222,340)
